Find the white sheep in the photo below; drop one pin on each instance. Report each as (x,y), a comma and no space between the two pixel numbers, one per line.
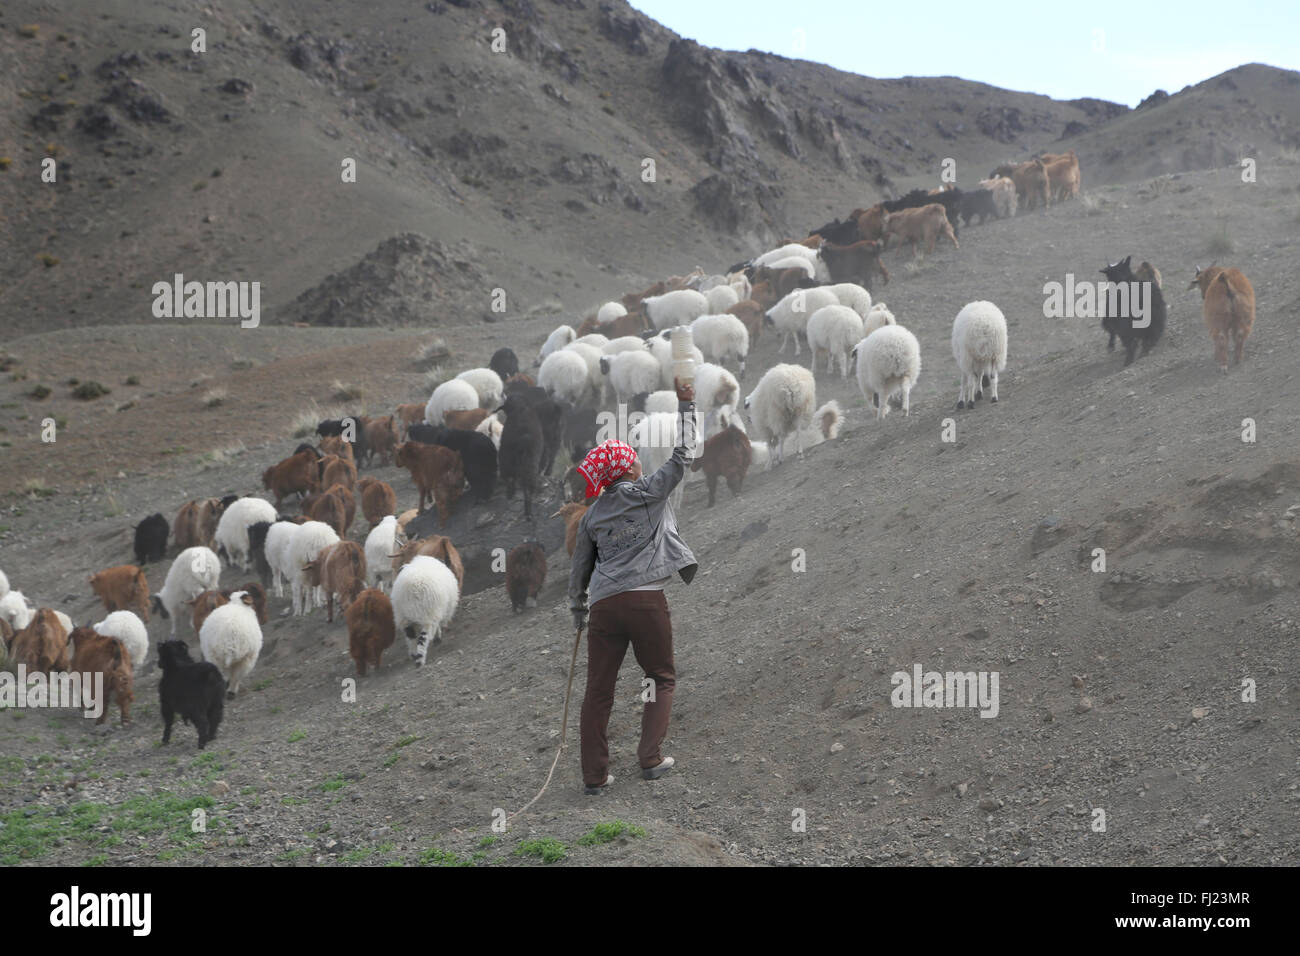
(705,283)
(835,328)
(492,427)
(624,343)
(722,337)
(232,528)
(631,373)
(661,347)
(721,298)
(675,308)
(564,376)
(877,318)
(979,344)
(654,438)
(66,621)
(781,403)
(663,400)
(740,284)
(194,571)
(16,611)
(453,395)
(381,543)
(592,338)
(557,340)
(854,296)
(311,538)
(278,537)
(487,384)
(609,312)
(826,424)
(425,596)
(231,639)
(715,388)
(781,253)
(790,315)
(809,267)
(889,362)
(591,355)
(130,631)
(4,584)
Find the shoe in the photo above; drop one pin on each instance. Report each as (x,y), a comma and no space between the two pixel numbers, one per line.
(654,773)
(598,789)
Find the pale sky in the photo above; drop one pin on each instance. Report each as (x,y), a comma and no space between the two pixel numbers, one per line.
(1032,47)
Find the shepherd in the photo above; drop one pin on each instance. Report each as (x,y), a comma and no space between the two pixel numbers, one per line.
(628,549)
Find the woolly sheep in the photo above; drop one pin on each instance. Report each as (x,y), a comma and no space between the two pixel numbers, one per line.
(4,584)
(782,403)
(790,315)
(454,394)
(854,296)
(741,285)
(796,262)
(564,376)
(231,639)
(631,373)
(835,328)
(492,427)
(15,611)
(276,549)
(232,528)
(826,424)
(557,340)
(675,308)
(722,337)
(654,438)
(487,384)
(66,621)
(721,298)
(591,355)
(773,257)
(760,455)
(877,318)
(661,347)
(664,400)
(624,343)
(381,544)
(889,362)
(308,541)
(194,571)
(609,312)
(715,388)
(424,599)
(128,629)
(592,338)
(979,344)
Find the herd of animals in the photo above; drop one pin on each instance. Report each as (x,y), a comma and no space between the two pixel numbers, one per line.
(500,423)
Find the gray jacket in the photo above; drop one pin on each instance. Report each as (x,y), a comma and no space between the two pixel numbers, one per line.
(628,537)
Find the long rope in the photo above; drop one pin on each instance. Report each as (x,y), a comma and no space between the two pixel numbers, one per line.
(564,728)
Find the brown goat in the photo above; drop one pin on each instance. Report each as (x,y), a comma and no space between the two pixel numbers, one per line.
(405,518)
(335,445)
(297,473)
(435,546)
(337,471)
(410,414)
(208,601)
(634,323)
(370,628)
(1032,183)
(1149,273)
(464,418)
(525,574)
(381,437)
(728,453)
(122,588)
(339,569)
(42,645)
(750,313)
(437,473)
(921,224)
(378,500)
(572,514)
(349,506)
(1062,174)
(1228,302)
(519,378)
(871,222)
(782,281)
(328,508)
(96,654)
(196,523)
(632,301)
(761,291)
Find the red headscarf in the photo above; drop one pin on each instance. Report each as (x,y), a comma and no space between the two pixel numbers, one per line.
(604,463)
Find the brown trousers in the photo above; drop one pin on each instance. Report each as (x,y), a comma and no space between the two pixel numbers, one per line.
(639,617)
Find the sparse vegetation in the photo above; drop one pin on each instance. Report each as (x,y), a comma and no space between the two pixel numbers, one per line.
(438,857)
(29,31)
(435,350)
(37,488)
(296,736)
(548,851)
(1219,242)
(132,380)
(48,260)
(88,391)
(304,422)
(435,377)
(609,832)
(343,392)
(214,397)
(39,392)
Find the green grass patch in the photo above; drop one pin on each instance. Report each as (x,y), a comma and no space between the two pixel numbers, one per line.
(407,741)
(335,782)
(548,850)
(31,833)
(434,856)
(609,832)
(296,736)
